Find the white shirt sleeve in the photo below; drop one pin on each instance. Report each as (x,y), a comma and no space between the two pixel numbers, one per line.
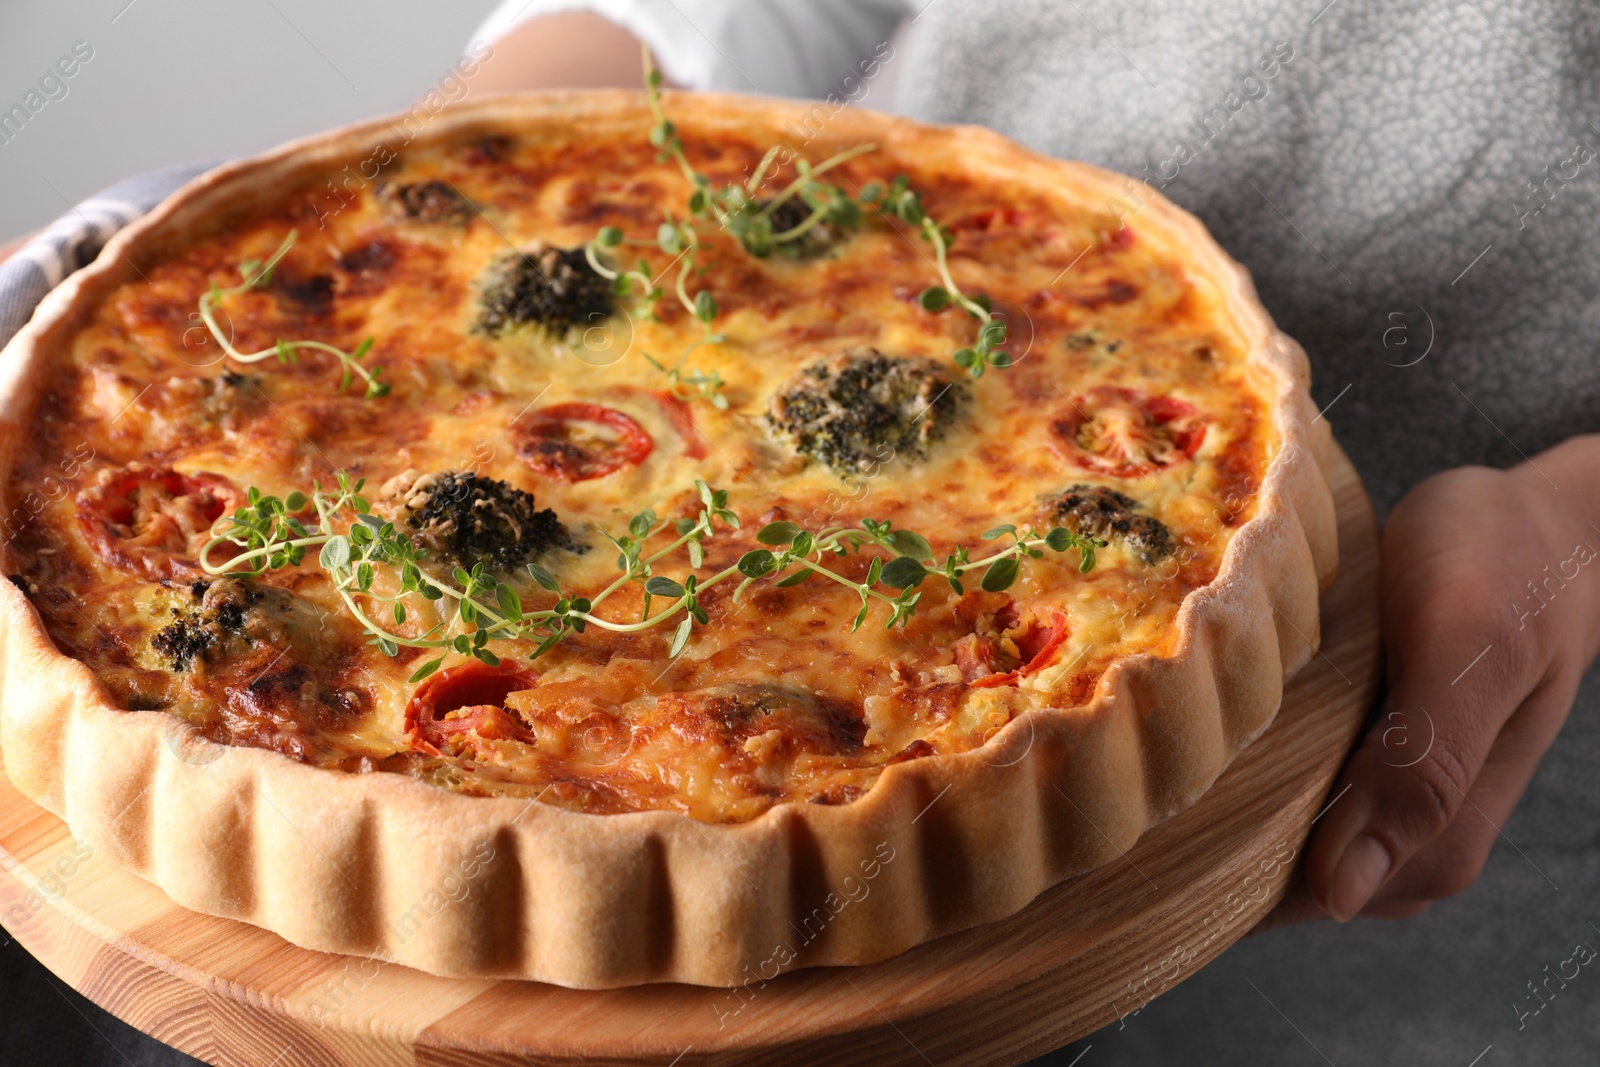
(779,47)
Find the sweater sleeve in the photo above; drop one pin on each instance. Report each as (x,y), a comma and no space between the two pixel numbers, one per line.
(780,47)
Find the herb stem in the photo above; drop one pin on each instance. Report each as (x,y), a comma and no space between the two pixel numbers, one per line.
(809,172)
(211,568)
(644,567)
(989,561)
(593,256)
(342,588)
(256,276)
(760,174)
(664,613)
(798,229)
(935,235)
(860,587)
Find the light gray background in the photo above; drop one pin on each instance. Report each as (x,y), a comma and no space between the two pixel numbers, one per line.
(178,80)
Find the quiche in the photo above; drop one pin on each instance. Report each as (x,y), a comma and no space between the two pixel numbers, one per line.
(608,538)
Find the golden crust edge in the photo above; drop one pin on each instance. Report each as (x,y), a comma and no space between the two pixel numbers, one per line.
(469,886)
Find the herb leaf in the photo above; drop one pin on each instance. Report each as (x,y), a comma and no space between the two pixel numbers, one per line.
(903,572)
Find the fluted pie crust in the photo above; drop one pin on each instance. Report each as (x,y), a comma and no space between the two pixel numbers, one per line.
(387,866)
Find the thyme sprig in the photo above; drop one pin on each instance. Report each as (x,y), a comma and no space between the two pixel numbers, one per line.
(737,209)
(750,220)
(356,546)
(473,608)
(691,383)
(801,554)
(675,237)
(257,274)
(735,206)
(900,200)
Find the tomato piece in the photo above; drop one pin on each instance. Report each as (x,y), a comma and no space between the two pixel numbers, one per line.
(465,698)
(1127,434)
(153,519)
(990,219)
(578,441)
(1121,237)
(682,418)
(918,749)
(976,655)
(1038,646)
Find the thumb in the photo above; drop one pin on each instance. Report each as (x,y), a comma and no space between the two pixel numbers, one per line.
(1384,809)
(1404,785)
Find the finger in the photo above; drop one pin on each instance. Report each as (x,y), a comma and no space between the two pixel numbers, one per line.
(1412,773)
(1451,862)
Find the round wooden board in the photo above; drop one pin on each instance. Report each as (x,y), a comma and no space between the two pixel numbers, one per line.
(1085,952)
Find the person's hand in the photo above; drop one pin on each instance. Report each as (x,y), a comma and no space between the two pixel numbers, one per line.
(563,50)
(1490,583)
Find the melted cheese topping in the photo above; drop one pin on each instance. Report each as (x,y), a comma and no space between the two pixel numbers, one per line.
(774,700)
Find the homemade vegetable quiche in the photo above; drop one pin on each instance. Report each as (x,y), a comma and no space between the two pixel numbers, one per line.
(658,516)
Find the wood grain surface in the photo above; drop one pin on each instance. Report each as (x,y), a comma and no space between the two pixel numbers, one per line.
(1085,952)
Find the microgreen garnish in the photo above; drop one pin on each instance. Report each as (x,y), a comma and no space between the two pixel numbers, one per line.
(735,207)
(258,275)
(468,610)
(674,237)
(802,553)
(356,548)
(900,200)
(763,226)
(691,384)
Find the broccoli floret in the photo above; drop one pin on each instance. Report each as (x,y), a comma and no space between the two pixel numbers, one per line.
(553,289)
(183,642)
(861,408)
(1100,511)
(218,613)
(430,201)
(471,519)
(758,240)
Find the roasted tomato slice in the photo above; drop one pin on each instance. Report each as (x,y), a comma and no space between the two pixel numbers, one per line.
(1126,434)
(152,519)
(979,656)
(578,441)
(467,698)
(682,418)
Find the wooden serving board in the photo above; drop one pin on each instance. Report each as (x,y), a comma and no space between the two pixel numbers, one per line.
(1085,952)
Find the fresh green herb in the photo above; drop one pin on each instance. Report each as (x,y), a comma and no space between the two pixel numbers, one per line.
(691,384)
(676,238)
(735,207)
(356,546)
(258,275)
(900,200)
(787,222)
(761,226)
(801,554)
